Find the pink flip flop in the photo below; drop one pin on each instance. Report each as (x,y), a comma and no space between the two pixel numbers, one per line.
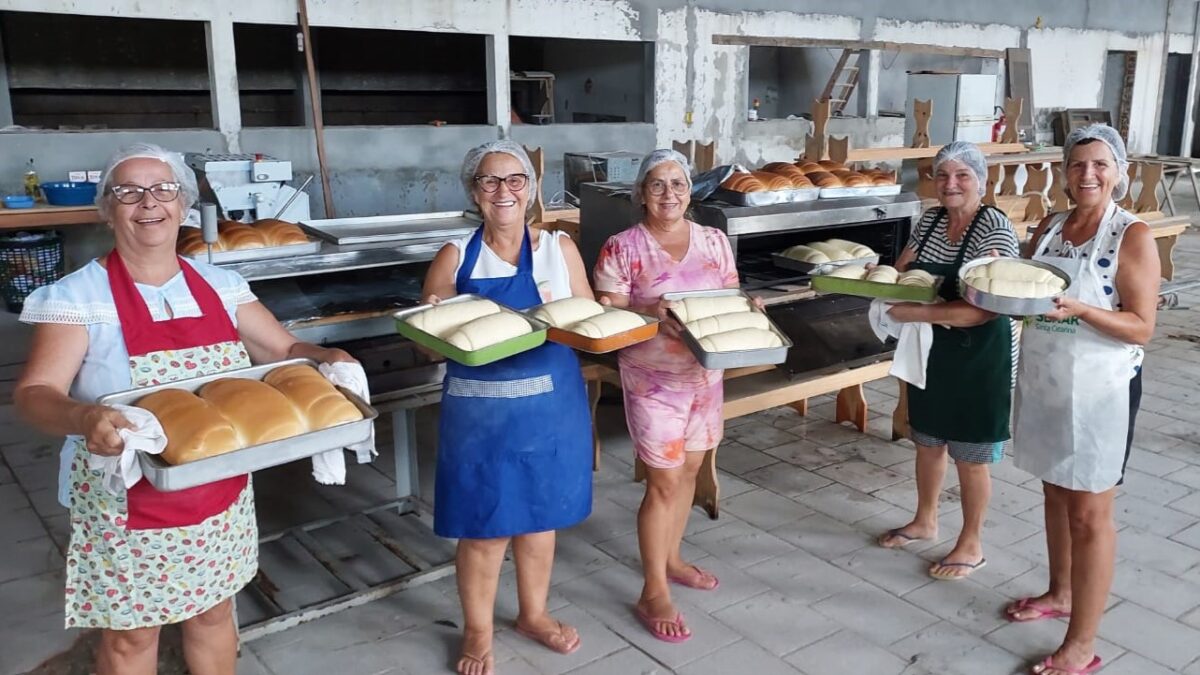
(1086,670)
(1028,605)
(652,623)
(690,583)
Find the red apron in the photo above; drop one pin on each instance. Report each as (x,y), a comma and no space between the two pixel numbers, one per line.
(148,508)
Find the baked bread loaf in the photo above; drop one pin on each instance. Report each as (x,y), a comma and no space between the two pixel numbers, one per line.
(723,323)
(849,272)
(259,412)
(807,254)
(194,428)
(280,232)
(319,403)
(915,278)
(800,182)
(237,237)
(809,167)
(442,320)
(568,311)
(883,178)
(773,181)
(856,180)
(743,182)
(740,340)
(830,165)
(693,309)
(191,242)
(883,274)
(780,167)
(608,324)
(489,330)
(824,179)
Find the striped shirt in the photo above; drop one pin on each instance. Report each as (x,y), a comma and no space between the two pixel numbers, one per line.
(993,232)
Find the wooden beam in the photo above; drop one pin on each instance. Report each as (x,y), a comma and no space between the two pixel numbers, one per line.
(910,47)
(896,154)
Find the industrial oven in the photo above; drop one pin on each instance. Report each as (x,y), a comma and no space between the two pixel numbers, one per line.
(829,332)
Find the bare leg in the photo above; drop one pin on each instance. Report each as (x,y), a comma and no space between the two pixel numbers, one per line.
(210,641)
(676,566)
(477,567)
(534,557)
(657,541)
(1058,547)
(931,471)
(975,485)
(128,652)
(1094,545)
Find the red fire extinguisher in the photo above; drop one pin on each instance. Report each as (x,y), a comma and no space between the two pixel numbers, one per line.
(998,127)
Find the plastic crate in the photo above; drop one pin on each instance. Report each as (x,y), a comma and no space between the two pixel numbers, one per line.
(28,260)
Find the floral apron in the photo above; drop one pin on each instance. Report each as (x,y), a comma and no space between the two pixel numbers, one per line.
(147,558)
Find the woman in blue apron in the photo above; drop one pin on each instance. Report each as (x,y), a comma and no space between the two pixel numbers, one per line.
(515,436)
(963,409)
(1080,384)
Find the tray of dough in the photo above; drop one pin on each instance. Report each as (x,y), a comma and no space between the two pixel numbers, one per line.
(471,329)
(855,280)
(724,329)
(586,325)
(1012,286)
(255,426)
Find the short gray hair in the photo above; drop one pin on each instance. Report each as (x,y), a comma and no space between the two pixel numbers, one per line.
(1110,137)
(505,147)
(189,192)
(965,153)
(660,156)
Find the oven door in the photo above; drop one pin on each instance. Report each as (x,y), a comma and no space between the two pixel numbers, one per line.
(830,333)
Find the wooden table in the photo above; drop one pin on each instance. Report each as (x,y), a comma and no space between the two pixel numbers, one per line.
(42,215)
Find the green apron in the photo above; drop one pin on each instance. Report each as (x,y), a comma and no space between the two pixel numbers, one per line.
(968,379)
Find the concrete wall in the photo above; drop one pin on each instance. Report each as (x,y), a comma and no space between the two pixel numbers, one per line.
(700,90)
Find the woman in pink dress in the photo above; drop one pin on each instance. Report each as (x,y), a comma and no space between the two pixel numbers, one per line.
(672,404)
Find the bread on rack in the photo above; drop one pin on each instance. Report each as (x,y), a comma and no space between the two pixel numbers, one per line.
(773,181)
(442,320)
(259,412)
(856,180)
(883,179)
(280,232)
(743,182)
(830,165)
(191,242)
(809,167)
(237,237)
(319,403)
(781,167)
(800,182)
(824,179)
(194,428)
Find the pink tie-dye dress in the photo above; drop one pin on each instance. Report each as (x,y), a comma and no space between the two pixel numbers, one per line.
(672,403)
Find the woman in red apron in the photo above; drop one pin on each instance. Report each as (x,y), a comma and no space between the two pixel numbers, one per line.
(141,558)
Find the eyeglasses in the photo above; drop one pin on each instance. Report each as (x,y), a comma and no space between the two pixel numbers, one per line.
(515,182)
(133,194)
(658,187)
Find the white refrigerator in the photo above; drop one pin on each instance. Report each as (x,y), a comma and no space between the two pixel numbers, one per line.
(963,106)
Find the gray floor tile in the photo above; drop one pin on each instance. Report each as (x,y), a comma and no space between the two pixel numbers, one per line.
(946,648)
(1157,552)
(843,503)
(766,510)
(826,538)
(861,475)
(967,605)
(894,570)
(740,657)
(875,614)
(740,544)
(791,481)
(802,576)
(778,623)
(1151,635)
(845,652)
(630,661)
(596,642)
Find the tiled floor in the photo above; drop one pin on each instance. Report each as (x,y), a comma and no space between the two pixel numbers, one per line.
(803,589)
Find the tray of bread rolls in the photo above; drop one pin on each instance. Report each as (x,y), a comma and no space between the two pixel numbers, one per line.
(822,257)
(881,281)
(233,423)
(724,329)
(586,325)
(242,242)
(471,329)
(1012,286)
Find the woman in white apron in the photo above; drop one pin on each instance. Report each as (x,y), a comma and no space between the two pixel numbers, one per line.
(1079,385)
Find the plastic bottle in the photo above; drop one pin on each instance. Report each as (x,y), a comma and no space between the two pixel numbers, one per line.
(33,185)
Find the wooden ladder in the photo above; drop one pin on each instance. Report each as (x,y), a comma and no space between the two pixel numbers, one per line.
(838,92)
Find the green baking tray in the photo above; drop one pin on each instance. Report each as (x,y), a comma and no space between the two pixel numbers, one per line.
(479,357)
(874,289)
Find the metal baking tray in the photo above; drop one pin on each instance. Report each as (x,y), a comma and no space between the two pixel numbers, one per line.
(173,477)
(794,265)
(249,254)
(875,289)
(802,194)
(602,345)
(1000,304)
(764,198)
(479,357)
(724,360)
(371,229)
(871,191)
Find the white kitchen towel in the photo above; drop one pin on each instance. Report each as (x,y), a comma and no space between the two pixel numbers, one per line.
(122,471)
(353,377)
(913,341)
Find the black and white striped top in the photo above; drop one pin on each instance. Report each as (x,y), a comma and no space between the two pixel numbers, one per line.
(995,232)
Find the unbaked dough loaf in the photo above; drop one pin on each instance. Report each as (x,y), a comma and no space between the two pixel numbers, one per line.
(194,428)
(849,272)
(806,254)
(1016,270)
(915,278)
(853,248)
(489,330)
(884,274)
(1014,289)
(568,311)
(722,323)
(693,309)
(834,251)
(442,320)
(608,323)
(740,340)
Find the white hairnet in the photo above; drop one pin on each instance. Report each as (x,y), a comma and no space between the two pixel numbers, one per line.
(1110,137)
(188,191)
(475,157)
(967,154)
(650,161)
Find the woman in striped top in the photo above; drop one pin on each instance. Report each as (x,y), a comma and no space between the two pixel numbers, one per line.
(964,408)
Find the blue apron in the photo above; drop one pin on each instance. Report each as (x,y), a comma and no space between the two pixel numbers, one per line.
(515,436)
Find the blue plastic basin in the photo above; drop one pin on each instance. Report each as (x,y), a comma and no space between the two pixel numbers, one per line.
(18,201)
(69,194)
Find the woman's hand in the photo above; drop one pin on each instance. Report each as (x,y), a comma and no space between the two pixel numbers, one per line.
(905,312)
(431,299)
(758,303)
(1067,307)
(334,355)
(101,425)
